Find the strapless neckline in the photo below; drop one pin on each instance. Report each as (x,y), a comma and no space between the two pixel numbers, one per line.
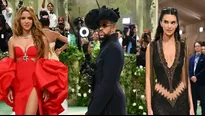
(24,52)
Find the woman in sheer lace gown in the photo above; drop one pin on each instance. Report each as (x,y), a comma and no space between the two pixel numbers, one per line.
(167,85)
(53,54)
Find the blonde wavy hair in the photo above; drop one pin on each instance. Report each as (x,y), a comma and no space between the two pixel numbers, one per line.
(36,29)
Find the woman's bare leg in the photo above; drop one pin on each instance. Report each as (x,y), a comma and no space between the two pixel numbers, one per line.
(32,103)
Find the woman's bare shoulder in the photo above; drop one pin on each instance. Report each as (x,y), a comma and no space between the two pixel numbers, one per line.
(13,38)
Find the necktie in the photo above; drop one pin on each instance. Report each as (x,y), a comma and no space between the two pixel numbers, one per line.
(196,61)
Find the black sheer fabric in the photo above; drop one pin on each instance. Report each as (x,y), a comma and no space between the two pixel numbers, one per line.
(170,92)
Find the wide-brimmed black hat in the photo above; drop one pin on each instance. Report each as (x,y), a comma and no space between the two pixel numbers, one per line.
(95,15)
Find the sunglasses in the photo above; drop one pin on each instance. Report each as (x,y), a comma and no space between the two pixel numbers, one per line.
(170,9)
(104,25)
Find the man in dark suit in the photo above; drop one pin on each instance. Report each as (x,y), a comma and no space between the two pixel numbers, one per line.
(108,97)
(197,76)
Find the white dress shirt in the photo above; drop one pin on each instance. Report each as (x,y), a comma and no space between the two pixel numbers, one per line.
(8,16)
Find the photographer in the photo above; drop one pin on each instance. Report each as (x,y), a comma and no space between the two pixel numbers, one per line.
(130,40)
(81,41)
(62,30)
(5,34)
(141,50)
(83,44)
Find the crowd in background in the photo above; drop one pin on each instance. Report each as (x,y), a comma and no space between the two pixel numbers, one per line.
(128,37)
(130,40)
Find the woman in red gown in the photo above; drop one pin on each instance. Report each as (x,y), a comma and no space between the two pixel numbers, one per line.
(29,82)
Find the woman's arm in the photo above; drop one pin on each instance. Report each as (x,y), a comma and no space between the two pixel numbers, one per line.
(190,95)
(186,80)
(43,4)
(46,50)
(62,39)
(191,106)
(11,55)
(10,46)
(65,40)
(148,81)
(45,94)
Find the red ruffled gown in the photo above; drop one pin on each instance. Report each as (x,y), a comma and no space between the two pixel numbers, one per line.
(25,74)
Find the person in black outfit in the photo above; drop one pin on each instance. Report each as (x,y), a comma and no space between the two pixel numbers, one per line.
(141,50)
(168,90)
(130,40)
(5,34)
(108,97)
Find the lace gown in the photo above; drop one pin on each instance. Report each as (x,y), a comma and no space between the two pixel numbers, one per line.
(52,55)
(170,92)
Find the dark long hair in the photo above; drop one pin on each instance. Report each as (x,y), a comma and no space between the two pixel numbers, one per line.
(44,18)
(159,31)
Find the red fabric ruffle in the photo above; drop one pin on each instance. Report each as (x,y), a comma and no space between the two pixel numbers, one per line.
(52,75)
(7,74)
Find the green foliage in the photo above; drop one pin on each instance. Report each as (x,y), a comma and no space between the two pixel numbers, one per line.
(83,95)
(73,59)
(72,54)
(94,54)
(3,54)
(132,81)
